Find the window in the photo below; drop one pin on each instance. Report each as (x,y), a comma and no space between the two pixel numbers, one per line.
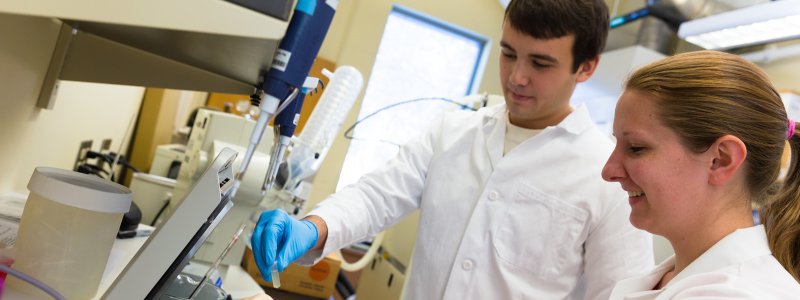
(420,61)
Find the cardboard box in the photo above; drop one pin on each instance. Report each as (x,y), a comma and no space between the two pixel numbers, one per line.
(315,281)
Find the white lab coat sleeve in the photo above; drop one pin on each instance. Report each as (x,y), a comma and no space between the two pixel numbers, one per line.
(379,199)
(615,250)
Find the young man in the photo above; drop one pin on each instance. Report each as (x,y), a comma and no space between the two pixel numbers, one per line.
(511,201)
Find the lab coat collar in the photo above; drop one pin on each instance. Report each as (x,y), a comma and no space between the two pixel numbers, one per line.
(575,123)
(737,247)
(494,127)
(642,287)
(494,130)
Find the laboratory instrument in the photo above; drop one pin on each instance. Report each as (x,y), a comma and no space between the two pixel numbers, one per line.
(211,132)
(311,147)
(189,286)
(215,265)
(160,260)
(282,85)
(152,194)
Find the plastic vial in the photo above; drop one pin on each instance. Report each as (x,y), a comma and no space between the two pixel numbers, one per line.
(276,280)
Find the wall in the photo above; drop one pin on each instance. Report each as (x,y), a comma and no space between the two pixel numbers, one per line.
(784,73)
(34,137)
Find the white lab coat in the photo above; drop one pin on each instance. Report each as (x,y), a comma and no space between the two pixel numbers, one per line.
(740,266)
(523,226)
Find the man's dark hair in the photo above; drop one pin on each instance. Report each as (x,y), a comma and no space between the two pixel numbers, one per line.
(550,19)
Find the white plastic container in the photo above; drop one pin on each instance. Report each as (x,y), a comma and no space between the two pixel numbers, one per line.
(66,232)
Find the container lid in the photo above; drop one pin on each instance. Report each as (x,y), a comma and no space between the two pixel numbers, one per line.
(80,190)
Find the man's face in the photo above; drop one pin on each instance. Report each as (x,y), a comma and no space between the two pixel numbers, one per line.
(537,77)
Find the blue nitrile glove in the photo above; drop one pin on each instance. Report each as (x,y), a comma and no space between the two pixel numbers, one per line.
(278,233)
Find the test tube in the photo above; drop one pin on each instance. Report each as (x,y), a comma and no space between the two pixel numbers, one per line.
(276,280)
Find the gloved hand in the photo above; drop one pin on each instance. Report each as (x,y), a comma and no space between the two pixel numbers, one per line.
(278,235)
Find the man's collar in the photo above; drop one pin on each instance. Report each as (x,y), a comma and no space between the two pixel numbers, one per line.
(575,123)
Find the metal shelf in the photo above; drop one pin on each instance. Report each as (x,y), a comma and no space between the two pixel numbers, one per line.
(205,45)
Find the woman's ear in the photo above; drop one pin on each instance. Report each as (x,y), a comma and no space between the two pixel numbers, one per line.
(728,154)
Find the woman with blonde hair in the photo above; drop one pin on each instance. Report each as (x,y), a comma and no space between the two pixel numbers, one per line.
(699,135)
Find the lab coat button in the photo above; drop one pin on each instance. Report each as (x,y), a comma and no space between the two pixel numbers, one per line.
(467,264)
(493,195)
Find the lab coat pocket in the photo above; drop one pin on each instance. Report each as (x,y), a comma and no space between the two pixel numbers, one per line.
(540,233)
